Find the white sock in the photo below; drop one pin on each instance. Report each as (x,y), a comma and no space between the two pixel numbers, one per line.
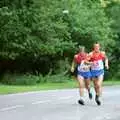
(81,97)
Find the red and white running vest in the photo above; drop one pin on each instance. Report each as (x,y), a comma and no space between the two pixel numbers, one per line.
(97,59)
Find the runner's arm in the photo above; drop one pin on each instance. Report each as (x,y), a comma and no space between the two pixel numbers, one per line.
(106,60)
(73,64)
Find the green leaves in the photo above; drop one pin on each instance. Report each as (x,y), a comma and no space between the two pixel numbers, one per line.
(41,28)
(16,3)
(112,11)
(33,31)
(89,22)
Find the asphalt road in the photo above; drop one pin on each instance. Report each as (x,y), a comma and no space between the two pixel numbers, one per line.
(60,105)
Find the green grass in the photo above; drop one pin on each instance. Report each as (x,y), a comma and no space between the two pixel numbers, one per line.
(111,82)
(8,89)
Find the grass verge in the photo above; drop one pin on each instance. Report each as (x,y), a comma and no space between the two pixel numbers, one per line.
(8,89)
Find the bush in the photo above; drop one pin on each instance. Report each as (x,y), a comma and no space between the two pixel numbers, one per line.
(29,79)
(62,66)
(18,79)
(108,75)
(58,78)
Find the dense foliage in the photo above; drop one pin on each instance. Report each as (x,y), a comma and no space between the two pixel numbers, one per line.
(41,36)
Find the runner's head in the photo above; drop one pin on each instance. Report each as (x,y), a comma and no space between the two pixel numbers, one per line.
(81,49)
(96,47)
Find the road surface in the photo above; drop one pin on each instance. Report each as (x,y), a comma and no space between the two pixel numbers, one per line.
(60,105)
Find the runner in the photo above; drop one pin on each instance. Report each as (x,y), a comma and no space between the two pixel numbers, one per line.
(83,73)
(97,69)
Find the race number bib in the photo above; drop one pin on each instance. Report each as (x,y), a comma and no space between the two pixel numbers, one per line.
(83,68)
(97,65)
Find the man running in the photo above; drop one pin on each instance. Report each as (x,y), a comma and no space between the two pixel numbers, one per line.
(97,69)
(83,73)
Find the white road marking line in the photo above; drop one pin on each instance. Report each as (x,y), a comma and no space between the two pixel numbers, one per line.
(39,102)
(104,117)
(38,92)
(99,118)
(34,103)
(61,98)
(53,95)
(107,116)
(10,108)
(46,101)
